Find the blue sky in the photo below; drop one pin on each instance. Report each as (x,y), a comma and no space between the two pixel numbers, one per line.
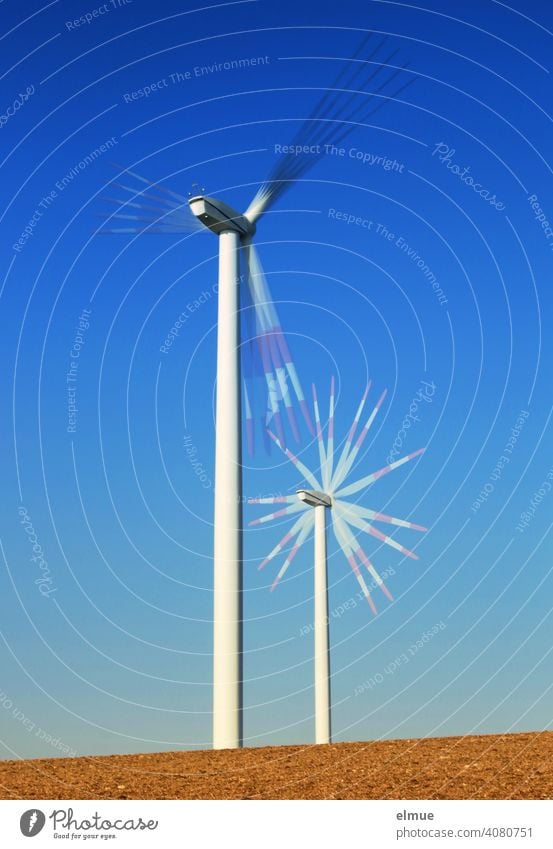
(114,653)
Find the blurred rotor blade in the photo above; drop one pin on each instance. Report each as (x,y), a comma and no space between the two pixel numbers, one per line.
(277,514)
(264,403)
(302,536)
(366,481)
(338,112)
(330,434)
(273,389)
(291,369)
(339,532)
(254,377)
(338,127)
(362,525)
(307,475)
(250,432)
(274,499)
(349,439)
(360,554)
(281,347)
(150,183)
(343,471)
(159,210)
(282,379)
(365,513)
(320,440)
(273,351)
(295,529)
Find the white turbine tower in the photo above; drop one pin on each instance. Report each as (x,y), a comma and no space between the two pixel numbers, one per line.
(320,502)
(329,494)
(345,105)
(227,541)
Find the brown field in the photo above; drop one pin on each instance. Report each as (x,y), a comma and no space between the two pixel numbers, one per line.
(513,766)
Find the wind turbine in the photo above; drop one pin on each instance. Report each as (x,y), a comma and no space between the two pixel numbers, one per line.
(329,495)
(159,210)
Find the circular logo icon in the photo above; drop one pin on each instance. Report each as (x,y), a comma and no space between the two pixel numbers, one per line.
(32,822)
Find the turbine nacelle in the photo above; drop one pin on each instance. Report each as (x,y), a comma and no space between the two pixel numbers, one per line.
(219,217)
(314,497)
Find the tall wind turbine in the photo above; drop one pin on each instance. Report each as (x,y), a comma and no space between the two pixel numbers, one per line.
(348,103)
(329,495)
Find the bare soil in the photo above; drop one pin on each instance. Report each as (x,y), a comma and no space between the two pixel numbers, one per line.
(513,766)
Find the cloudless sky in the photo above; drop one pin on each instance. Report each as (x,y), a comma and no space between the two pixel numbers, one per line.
(112,651)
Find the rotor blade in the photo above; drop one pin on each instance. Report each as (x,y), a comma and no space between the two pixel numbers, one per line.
(340,124)
(330,441)
(360,554)
(349,439)
(308,476)
(294,379)
(258,286)
(259,204)
(249,422)
(149,230)
(150,183)
(296,528)
(167,221)
(338,478)
(346,117)
(283,385)
(269,321)
(384,100)
(302,536)
(274,499)
(320,442)
(339,111)
(173,209)
(364,513)
(330,94)
(331,105)
(336,130)
(360,523)
(254,277)
(161,219)
(250,365)
(286,511)
(350,557)
(266,311)
(273,391)
(159,199)
(366,481)
(124,202)
(332,101)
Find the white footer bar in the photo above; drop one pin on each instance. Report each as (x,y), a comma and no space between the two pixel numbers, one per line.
(274,824)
